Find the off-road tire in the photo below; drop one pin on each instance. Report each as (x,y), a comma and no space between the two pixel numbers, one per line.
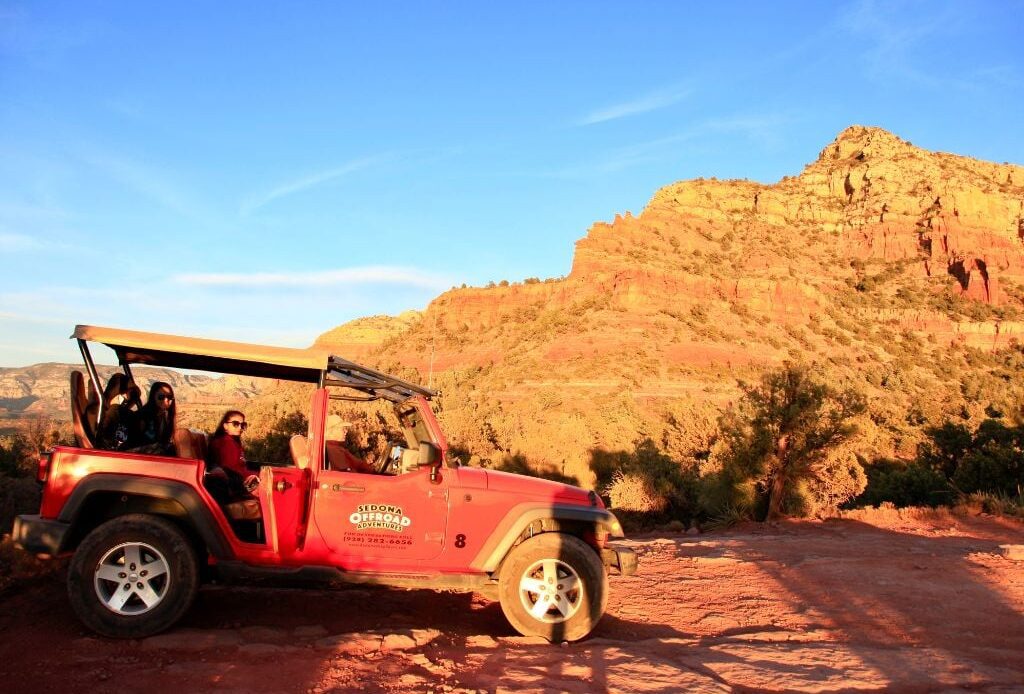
(104,556)
(562,579)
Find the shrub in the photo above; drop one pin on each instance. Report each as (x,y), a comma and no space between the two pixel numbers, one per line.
(274,445)
(991,459)
(784,431)
(724,499)
(518,464)
(17,495)
(903,484)
(994,503)
(647,476)
(633,492)
(834,482)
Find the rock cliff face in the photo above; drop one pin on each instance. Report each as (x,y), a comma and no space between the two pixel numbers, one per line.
(951,225)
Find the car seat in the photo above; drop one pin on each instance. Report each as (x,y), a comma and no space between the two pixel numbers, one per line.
(190,443)
(298,445)
(81,406)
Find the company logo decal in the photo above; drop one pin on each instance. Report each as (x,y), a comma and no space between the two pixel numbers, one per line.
(385,516)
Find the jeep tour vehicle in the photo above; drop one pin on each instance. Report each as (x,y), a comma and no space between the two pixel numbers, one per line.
(145,532)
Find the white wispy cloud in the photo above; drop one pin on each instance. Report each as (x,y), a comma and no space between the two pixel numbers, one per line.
(144,180)
(31,318)
(643,104)
(374,274)
(12,243)
(898,46)
(291,187)
(762,129)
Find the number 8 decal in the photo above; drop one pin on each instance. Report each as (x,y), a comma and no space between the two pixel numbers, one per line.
(460,541)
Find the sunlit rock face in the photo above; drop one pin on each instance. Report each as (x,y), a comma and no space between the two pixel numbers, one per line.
(781,252)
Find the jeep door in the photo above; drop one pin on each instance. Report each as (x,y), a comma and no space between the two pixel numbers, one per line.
(364,517)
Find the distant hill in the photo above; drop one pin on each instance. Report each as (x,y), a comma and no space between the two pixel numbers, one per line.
(41,390)
(361,337)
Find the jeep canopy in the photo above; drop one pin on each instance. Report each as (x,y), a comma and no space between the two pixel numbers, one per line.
(310,365)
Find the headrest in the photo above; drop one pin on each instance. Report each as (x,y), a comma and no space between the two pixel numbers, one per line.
(79,411)
(299,447)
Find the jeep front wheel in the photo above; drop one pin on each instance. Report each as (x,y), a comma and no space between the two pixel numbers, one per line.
(132,577)
(553,585)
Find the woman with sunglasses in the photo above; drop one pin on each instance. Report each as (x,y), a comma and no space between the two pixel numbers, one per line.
(157,420)
(228,478)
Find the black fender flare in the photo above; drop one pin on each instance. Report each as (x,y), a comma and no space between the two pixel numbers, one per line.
(511,528)
(197,512)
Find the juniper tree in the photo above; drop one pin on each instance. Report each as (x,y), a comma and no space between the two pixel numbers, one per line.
(785,428)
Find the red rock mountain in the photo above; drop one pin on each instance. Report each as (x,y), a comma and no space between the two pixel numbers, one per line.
(881,261)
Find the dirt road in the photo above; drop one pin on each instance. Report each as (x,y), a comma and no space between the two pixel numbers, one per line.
(894,604)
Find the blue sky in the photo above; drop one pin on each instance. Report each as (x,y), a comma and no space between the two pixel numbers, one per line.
(266,171)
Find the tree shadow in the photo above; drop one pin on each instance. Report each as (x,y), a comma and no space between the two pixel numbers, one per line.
(887,598)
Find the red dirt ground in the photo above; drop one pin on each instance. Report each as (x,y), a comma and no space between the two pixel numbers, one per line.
(895,603)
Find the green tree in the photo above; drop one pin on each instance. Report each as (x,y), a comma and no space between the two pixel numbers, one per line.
(994,462)
(786,429)
(273,447)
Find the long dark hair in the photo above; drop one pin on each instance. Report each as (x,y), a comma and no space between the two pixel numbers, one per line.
(115,386)
(223,420)
(150,410)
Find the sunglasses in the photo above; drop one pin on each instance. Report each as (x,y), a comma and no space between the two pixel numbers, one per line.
(243,425)
(163,397)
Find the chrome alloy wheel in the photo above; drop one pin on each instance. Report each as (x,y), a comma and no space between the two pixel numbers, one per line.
(551,591)
(132,578)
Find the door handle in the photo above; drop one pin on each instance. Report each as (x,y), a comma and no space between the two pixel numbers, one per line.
(282,485)
(347,488)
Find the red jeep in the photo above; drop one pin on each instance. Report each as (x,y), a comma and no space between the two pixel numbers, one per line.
(145,531)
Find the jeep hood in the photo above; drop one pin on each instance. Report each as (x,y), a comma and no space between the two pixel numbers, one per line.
(533,487)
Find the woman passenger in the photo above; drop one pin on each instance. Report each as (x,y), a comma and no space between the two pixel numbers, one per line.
(121,404)
(157,421)
(227,476)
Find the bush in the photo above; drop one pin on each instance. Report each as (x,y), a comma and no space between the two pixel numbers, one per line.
(648,481)
(991,459)
(723,499)
(785,435)
(995,462)
(903,484)
(273,447)
(519,465)
(18,495)
(633,492)
(994,504)
(834,482)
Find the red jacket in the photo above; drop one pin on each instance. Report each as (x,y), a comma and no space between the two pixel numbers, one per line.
(226,452)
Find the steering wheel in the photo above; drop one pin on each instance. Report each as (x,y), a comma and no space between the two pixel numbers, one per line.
(388,458)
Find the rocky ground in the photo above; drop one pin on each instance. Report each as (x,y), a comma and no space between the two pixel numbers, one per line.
(884,602)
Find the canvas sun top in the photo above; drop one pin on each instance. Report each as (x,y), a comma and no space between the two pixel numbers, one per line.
(310,365)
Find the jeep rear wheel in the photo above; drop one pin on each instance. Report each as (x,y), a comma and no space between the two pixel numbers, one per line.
(553,585)
(132,577)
